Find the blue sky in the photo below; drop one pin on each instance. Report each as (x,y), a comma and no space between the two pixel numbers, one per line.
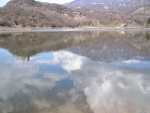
(3,2)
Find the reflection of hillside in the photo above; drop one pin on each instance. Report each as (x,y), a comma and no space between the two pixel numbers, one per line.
(28,44)
(141,41)
(103,46)
(114,46)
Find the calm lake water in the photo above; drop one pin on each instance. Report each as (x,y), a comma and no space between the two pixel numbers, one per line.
(75,72)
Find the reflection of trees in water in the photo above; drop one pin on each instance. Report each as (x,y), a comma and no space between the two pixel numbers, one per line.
(28,44)
(94,43)
(147,35)
(105,86)
(115,46)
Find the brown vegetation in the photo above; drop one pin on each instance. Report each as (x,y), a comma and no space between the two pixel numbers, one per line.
(30,13)
(96,45)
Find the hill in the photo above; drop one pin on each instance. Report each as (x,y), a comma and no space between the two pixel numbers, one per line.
(139,14)
(131,13)
(33,14)
(30,13)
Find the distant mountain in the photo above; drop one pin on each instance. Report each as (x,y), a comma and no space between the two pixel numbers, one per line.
(125,12)
(107,5)
(139,14)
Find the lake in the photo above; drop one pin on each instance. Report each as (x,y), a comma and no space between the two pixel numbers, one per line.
(75,72)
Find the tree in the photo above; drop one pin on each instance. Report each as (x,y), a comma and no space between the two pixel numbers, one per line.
(148,21)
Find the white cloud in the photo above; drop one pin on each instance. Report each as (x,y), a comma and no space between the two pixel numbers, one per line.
(107,88)
(25,74)
(131,61)
(68,60)
(3,2)
(112,89)
(22,75)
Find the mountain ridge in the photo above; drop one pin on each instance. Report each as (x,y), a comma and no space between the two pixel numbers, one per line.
(31,14)
(107,5)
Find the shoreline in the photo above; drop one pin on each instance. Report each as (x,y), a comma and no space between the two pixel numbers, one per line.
(67,29)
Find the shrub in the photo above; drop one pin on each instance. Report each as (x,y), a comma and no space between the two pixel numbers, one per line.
(5,23)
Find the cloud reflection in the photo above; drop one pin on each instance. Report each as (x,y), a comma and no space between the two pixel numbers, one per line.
(105,88)
(33,85)
(66,59)
(113,89)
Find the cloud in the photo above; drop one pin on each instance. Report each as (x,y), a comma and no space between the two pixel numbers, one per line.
(66,59)
(26,73)
(3,2)
(102,87)
(131,61)
(6,107)
(113,89)
(28,82)
(69,61)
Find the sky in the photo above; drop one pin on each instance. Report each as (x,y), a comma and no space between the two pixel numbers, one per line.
(3,2)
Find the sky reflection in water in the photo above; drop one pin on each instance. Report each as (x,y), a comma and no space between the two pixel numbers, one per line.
(66,82)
